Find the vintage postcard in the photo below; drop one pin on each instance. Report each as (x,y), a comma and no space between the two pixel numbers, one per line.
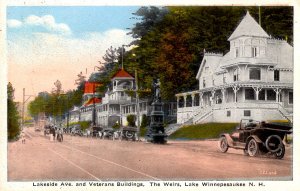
(149,96)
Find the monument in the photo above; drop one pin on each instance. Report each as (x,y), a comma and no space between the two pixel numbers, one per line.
(156,131)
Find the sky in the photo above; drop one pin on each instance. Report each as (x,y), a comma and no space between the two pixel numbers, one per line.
(45,43)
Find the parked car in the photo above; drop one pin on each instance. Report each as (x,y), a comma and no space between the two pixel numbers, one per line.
(96,130)
(107,133)
(76,130)
(47,129)
(128,133)
(255,137)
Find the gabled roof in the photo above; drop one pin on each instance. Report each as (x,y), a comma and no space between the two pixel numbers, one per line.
(248,27)
(121,73)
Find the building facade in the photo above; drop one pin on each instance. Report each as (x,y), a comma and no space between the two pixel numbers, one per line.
(253,80)
(116,104)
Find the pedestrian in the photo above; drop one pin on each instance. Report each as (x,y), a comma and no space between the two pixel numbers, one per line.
(23,137)
(88,133)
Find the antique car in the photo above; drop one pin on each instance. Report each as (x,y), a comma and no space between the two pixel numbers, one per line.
(76,130)
(256,138)
(128,133)
(108,133)
(96,130)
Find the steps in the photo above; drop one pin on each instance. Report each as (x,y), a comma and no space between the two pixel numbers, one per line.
(171,128)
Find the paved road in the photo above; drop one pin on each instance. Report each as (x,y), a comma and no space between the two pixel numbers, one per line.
(81,158)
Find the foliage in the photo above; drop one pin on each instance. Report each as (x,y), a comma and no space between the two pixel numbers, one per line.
(171,41)
(56,105)
(203,131)
(84,124)
(116,126)
(145,121)
(131,120)
(13,126)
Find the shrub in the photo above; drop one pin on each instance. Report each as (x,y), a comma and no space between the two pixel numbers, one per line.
(131,120)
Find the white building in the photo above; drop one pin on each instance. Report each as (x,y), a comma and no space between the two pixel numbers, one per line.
(253,80)
(117,104)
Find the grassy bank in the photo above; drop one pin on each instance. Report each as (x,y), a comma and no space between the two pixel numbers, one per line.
(203,131)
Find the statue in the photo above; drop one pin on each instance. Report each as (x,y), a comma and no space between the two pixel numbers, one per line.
(156,86)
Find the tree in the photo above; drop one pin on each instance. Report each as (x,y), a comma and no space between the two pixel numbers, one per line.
(149,17)
(171,43)
(13,126)
(58,87)
(131,120)
(111,55)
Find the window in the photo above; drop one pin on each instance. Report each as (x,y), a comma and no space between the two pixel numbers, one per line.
(224,79)
(206,68)
(261,95)
(290,97)
(228,113)
(249,94)
(236,75)
(204,84)
(255,51)
(254,74)
(236,52)
(271,95)
(213,82)
(276,75)
(247,113)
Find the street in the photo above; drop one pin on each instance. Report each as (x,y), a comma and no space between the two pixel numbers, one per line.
(81,158)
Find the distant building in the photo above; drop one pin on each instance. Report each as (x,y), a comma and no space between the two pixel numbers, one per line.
(253,80)
(116,104)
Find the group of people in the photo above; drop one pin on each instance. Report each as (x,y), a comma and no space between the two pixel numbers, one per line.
(57,133)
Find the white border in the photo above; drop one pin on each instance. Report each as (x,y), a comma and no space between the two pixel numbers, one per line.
(270,185)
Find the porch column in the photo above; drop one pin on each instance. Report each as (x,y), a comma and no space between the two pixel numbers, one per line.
(184,97)
(223,90)
(257,90)
(277,91)
(200,99)
(235,89)
(193,98)
(213,97)
(178,98)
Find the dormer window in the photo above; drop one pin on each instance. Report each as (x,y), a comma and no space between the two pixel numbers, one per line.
(255,51)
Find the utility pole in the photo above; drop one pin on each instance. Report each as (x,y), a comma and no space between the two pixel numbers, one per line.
(137,104)
(94,109)
(23,106)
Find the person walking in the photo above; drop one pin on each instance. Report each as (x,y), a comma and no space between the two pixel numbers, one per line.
(23,137)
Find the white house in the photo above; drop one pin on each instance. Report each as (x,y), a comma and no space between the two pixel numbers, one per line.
(253,80)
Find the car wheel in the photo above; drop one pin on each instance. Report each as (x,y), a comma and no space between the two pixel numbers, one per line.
(246,152)
(253,148)
(274,143)
(129,135)
(280,153)
(223,145)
